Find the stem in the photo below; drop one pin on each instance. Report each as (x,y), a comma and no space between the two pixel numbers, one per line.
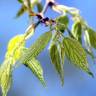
(36,24)
(45,8)
(41,14)
(49,3)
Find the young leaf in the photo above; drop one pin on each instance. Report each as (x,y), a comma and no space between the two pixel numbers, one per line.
(86,39)
(76,54)
(65,9)
(39,7)
(62,54)
(24,50)
(62,23)
(55,58)
(92,37)
(77,31)
(61,51)
(88,48)
(28,4)
(21,11)
(20,1)
(36,68)
(37,47)
(5,77)
(15,47)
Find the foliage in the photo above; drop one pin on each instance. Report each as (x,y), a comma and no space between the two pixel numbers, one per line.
(61,45)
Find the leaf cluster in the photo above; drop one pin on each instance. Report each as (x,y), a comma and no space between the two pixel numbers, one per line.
(75,46)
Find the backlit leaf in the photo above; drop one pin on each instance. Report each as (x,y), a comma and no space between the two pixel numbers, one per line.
(62,9)
(37,46)
(5,77)
(77,31)
(92,37)
(76,54)
(61,51)
(15,46)
(21,11)
(88,47)
(20,1)
(39,7)
(36,68)
(55,58)
(62,54)
(62,23)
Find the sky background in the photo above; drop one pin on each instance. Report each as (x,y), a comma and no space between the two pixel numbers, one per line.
(77,83)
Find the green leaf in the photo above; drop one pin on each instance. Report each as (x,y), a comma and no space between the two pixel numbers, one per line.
(37,46)
(29,4)
(5,77)
(62,54)
(15,46)
(24,50)
(92,37)
(61,51)
(62,23)
(88,47)
(77,31)
(20,1)
(76,54)
(55,58)
(36,68)
(21,11)
(62,9)
(39,6)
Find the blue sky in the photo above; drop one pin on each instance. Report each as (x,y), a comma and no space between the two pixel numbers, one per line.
(77,83)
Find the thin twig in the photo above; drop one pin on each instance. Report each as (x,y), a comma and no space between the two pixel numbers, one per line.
(45,8)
